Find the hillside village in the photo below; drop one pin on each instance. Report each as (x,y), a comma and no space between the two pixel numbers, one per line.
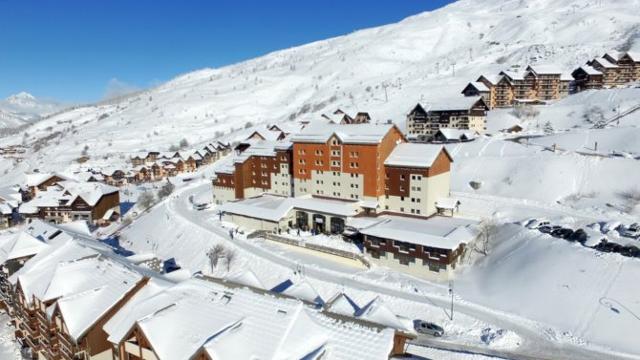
(339,232)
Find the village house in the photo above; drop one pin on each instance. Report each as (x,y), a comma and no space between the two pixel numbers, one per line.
(611,74)
(343,118)
(40,182)
(465,113)
(70,200)
(220,320)
(10,199)
(114,176)
(445,136)
(536,84)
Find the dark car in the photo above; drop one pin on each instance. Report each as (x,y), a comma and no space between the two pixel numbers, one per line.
(630,251)
(560,232)
(579,236)
(545,229)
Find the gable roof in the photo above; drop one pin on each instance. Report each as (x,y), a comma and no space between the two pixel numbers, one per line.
(478,85)
(456,103)
(415,155)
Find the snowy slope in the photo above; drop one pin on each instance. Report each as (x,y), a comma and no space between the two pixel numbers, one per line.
(385,70)
(23,108)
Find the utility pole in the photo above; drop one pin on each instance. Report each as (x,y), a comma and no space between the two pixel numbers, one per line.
(451,293)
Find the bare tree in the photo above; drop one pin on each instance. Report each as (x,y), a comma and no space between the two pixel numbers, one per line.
(487,230)
(214,255)
(230,255)
(146,199)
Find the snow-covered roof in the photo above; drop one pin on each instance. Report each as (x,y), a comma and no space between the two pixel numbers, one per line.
(590,70)
(342,304)
(10,196)
(90,192)
(245,277)
(478,85)
(239,323)
(513,75)
(274,208)
(414,155)
(457,134)
(348,134)
(378,312)
(87,289)
(38,178)
(20,245)
(605,63)
(304,291)
(267,135)
(447,203)
(493,79)
(454,103)
(634,55)
(435,232)
(546,69)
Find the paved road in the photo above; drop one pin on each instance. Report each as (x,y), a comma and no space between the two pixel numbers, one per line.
(535,344)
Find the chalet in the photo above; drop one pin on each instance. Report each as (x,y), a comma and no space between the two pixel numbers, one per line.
(551,82)
(144,158)
(477,88)
(267,135)
(587,78)
(341,117)
(41,182)
(466,113)
(114,176)
(429,248)
(611,76)
(70,200)
(629,65)
(220,320)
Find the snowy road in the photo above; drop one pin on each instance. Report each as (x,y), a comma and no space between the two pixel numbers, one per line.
(537,343)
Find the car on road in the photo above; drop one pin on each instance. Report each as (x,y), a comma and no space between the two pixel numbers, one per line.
(428,328)
(200,207)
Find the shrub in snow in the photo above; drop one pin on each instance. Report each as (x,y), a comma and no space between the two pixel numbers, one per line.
(183,143)
(146,200)
(165,190)
(548,128)
(525,112)
(248,124)
(475,185)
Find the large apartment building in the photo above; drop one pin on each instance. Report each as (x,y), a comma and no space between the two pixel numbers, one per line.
(465,113)
(536,83)
(343,161)
(263,166)
(371,164)
(608,71)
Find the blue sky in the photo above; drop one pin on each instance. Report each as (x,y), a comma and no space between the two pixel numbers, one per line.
(78,51)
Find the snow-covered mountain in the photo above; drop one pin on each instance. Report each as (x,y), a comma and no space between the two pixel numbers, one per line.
(24,108)
(385,70)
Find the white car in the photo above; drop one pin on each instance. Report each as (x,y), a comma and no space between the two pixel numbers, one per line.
(633,231)
(536,223)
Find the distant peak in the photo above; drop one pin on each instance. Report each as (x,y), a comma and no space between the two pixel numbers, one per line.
(21,97)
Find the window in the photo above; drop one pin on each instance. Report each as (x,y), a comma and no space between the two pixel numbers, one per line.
(417,211)
(401,209)
(401,198)
(413,211)
(386,207)
(402,177)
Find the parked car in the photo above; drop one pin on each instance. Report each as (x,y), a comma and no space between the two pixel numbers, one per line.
(561,232)
(633,231)
(630,251)
(200,207)
(428,328)
(537,223)
(546,229)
